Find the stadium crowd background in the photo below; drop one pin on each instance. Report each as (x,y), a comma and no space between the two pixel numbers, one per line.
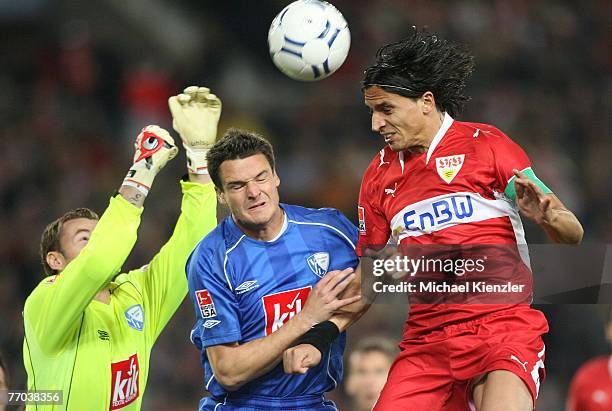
(79,79)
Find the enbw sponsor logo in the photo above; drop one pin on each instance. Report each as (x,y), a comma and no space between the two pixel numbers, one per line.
(453,210)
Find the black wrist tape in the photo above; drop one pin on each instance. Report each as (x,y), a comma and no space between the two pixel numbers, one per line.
(320,336)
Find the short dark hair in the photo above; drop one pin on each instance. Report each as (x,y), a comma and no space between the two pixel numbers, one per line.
(378,344)
(50,239)
(423,62)
(236,144)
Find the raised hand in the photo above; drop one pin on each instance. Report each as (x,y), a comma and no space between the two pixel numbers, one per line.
(195,116)
(154,148)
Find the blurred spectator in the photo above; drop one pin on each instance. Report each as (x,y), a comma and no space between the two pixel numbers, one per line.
(591,387)
(368,366)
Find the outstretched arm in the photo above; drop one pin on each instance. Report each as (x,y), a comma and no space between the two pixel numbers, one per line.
(53,310)
(195,115)
(559,223)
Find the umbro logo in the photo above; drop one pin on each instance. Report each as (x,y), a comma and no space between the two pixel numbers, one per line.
(210,323)
(246,286)
(103,335)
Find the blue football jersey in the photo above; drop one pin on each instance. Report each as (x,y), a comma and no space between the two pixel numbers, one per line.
(244,289)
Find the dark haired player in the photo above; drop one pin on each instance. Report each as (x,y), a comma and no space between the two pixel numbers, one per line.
(262,279)
(442,181)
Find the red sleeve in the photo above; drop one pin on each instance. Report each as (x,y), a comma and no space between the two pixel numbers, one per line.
(373,226)
(507,155)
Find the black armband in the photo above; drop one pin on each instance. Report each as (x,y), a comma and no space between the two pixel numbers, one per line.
(320,336)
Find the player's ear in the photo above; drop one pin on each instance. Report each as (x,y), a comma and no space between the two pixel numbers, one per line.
(276,179)
(428,102)
(220,196)
(56,260)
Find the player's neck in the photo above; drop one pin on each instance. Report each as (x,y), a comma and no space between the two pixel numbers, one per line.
(267,232)
(425,137)
(104,296)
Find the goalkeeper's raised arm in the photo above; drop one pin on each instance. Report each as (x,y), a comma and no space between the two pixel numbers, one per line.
(89,330)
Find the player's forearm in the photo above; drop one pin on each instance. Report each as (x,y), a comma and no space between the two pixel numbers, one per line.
(165,280)
(563,227)
(199,178)
(243,363)
(133,195)
(347,315)
(345,318)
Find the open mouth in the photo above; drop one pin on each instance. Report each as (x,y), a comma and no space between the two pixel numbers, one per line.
(388,137)
(257,206)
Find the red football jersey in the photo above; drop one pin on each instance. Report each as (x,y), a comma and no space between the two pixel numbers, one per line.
(591,388)
(452,194)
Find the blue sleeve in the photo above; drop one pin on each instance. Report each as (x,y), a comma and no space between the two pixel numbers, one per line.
(216,307)
(344,255)
(342,223)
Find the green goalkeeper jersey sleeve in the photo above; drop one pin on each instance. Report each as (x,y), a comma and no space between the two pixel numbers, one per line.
(98,354)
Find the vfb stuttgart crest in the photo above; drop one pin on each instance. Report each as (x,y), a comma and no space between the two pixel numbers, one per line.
(448,167)
(318,263)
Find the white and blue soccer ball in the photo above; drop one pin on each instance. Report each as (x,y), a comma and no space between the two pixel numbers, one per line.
(309,40)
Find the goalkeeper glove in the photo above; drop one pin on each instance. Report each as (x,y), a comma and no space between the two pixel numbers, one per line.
(154,148)
(195,116)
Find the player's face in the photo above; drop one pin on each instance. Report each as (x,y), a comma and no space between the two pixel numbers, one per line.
(250,190)
(74,236)
(401,121)
(368,374)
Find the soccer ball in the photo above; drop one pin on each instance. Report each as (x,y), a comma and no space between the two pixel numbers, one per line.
(309,40)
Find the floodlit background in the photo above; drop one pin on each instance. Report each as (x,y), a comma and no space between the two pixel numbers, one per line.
(78,80)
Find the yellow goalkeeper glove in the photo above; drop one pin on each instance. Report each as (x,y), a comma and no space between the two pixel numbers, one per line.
(154,148)
(195,116)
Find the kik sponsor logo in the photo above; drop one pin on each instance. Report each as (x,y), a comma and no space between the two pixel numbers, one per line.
(281,307)
(124,382)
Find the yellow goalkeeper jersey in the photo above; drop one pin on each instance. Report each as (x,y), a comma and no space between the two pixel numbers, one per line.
(97,353)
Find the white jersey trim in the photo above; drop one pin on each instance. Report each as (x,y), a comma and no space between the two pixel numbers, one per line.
(446,123)
(225,261)
(348,240)
(210,380)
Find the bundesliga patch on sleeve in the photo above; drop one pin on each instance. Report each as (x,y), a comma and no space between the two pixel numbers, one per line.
(361,216)
(206,304)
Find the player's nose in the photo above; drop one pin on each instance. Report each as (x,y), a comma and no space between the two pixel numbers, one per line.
(252,189)
(377,122)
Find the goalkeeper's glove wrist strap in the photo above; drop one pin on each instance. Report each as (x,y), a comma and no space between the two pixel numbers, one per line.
(196,160)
